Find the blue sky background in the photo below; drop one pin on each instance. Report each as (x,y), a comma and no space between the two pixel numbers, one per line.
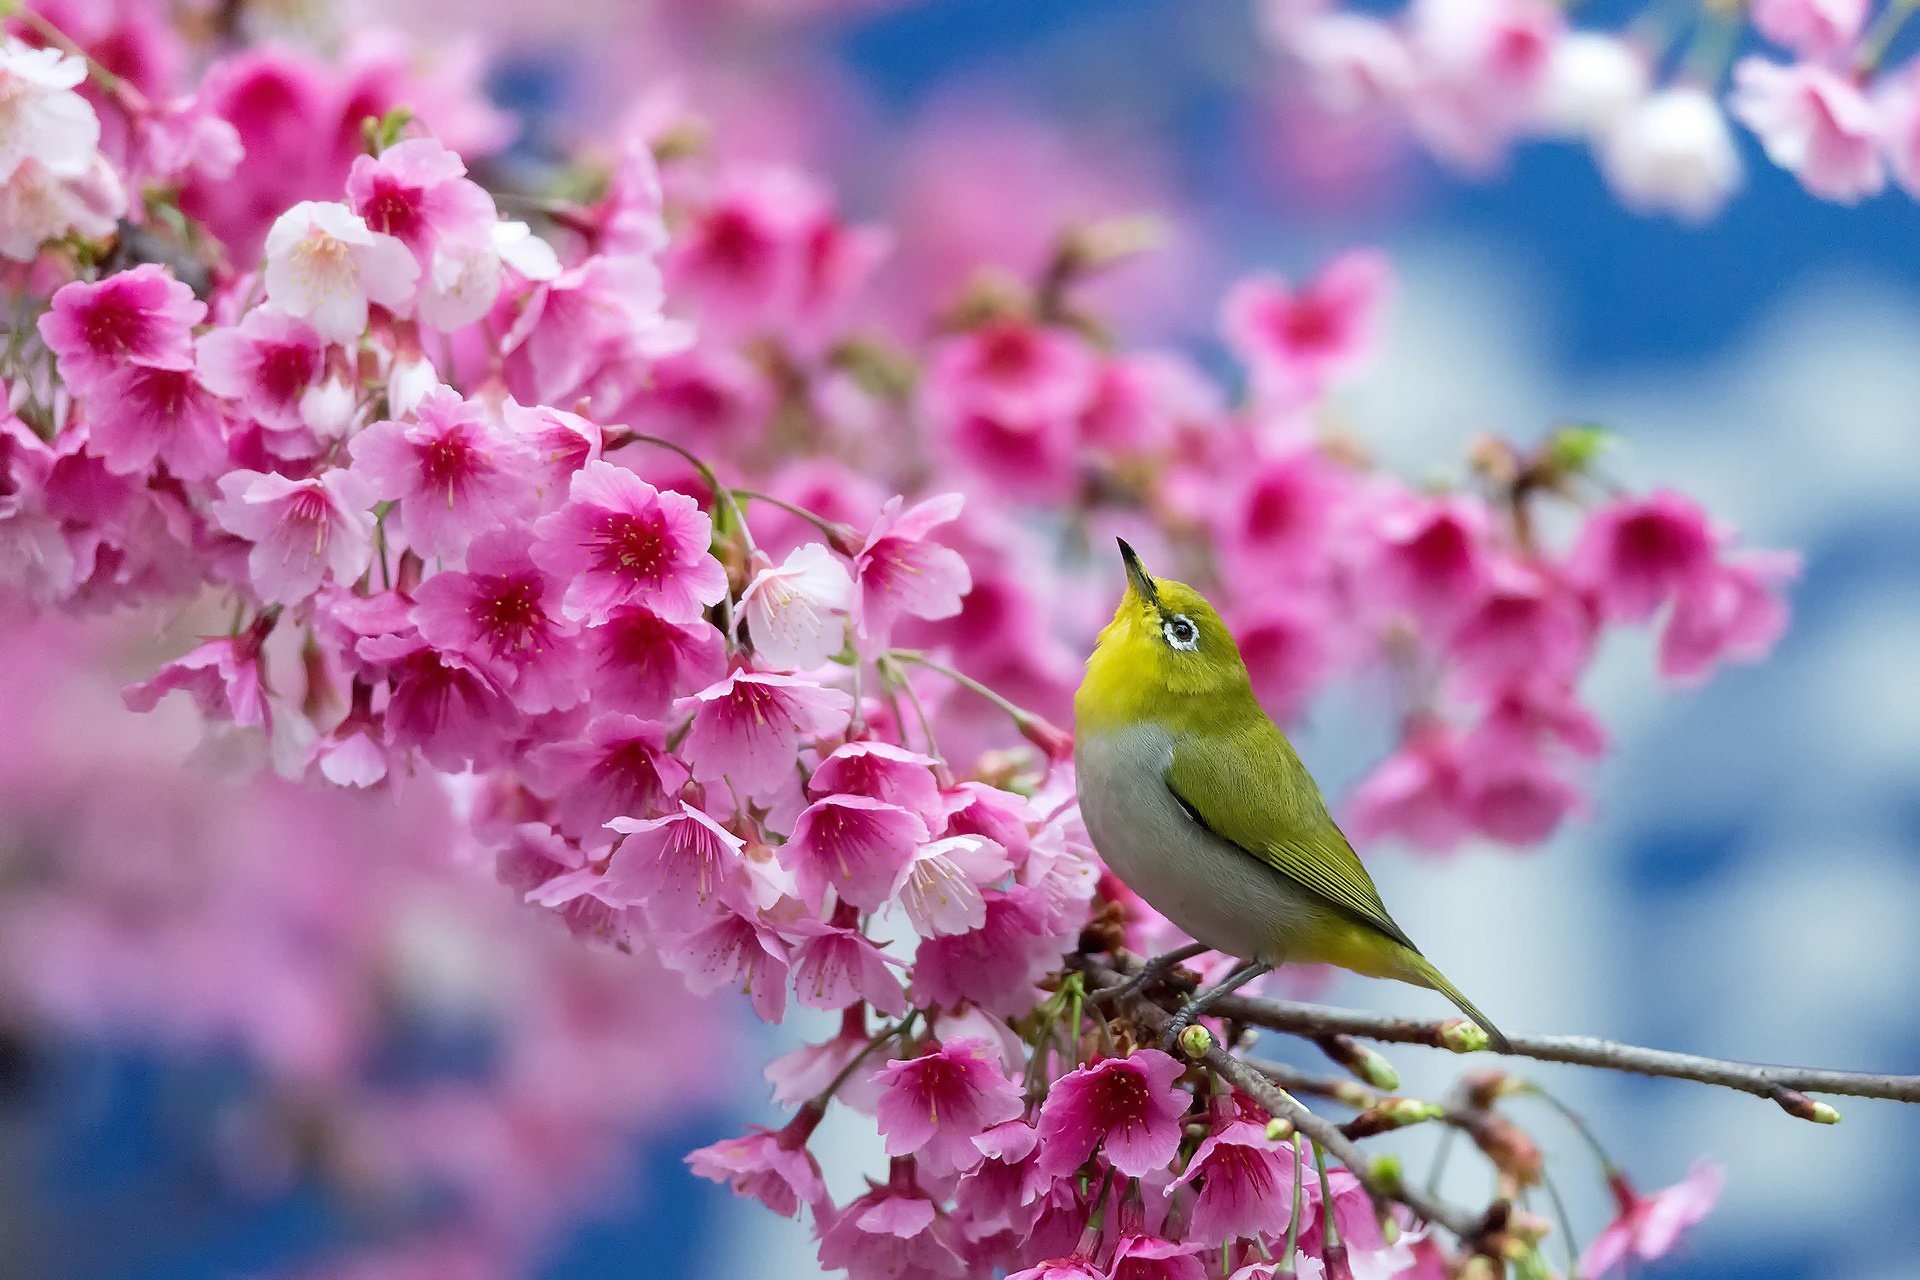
(1748,885)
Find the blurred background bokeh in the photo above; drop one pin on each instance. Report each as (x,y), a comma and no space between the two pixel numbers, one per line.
(1745,884)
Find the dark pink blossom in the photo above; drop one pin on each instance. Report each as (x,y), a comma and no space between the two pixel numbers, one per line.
(440,703)
(268,364)
(1014,369)
(1127,1107)
(1297,341)
(641,662)
(889,1234)
(1245,1180)
(1527,626)
(855,845)
(558,442)
(1419,793)
(901,572)
(935,1105)
(620,541)
(737,951)
(835,967)
(1633,554)
(619,768)
(454,474)
(502,613)
(996,965)
(774,1168)
(139,316)
(1433,558)
(417,192)
(748,727)
(677,863)
(302,530)
(883,771)
(1277,520)
(223,677)
(1139,1257)
(140,414)
(1648,1227)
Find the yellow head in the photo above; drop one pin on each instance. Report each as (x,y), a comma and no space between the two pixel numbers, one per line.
(1166,656)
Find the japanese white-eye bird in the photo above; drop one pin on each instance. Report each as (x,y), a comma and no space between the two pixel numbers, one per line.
(1197,801)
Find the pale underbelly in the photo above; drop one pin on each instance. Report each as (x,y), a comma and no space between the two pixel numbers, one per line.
(1219,894)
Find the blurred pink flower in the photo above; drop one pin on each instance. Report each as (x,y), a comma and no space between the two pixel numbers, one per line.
(1634,553)
(157,412)
(1814,123)
(1296,342)
(774,1168)
(223,677)
(1811,28)
(641,662)
(1648,1227)
(1733,611)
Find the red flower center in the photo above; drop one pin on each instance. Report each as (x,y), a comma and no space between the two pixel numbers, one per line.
(112,327)
(447,461)
(510,613)
(1309,324)
(285,370)
(634,547)
(395,210)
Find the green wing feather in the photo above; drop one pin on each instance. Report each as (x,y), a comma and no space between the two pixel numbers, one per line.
(1243,782)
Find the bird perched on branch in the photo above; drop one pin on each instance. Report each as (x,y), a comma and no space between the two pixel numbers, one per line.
(1197,801)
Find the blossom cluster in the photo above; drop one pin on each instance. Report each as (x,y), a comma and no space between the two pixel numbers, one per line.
(734,624)
(1651,98)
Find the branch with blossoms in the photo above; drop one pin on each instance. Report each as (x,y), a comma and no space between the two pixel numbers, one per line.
(1649,93)
(618,528)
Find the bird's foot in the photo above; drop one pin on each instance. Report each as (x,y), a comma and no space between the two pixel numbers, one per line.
(1148,974)
(1185,1016)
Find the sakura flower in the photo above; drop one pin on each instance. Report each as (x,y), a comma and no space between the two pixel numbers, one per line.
(417,192)
(883,771)
(1071,1267)
(502,613)
(302,530)
(1296,342)
(1814,123)
(935,1105)
(889,1233)
(996,965)
(224,678)
(618,768)
(855,845)
(1648,1227)
(834,968)
(1811,28)
(454,474)
(157,412)
(1418,793)
(1139,1257)
(1526,627)
(640,662)
(1593,80)
(1433,558)
(940,887)
(441,704)
(1282,508)
(806,1072)
(1635,553)
(560,443)
(38,205)
(1288,647)
(1246,1184)
(42,120)
(736,951)
(902,573)
(1733,611)
(676,863)
(748,727)
(774,1168)
(268,363)
(142,315)
(796,613)
(1127,1107)
(620,541)
(1673,154)
(591,329)
(324,265)
(1015,370)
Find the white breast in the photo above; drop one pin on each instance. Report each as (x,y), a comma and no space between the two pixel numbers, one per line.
(1219,894)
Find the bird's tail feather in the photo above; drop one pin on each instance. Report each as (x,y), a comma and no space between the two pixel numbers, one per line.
(1432,977)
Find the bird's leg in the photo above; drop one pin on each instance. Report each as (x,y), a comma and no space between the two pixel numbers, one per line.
(1150,972)
(1193,1008)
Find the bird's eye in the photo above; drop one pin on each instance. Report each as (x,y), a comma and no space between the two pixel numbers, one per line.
(1180,632)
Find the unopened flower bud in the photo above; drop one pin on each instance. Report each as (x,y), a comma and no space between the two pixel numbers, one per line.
(1462,1036)
(1484,1088)
(1195,1041)
(1390,1114)
(1799,1105)
(1279,1129)
(1572,450)
(1366,1063)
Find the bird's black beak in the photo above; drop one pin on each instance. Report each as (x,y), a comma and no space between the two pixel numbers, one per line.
(1138,575)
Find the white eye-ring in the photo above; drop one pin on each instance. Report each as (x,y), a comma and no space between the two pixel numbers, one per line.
(1180,632)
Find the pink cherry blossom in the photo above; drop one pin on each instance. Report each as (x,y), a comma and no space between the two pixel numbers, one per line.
(901,573)
(1811,28)
(883,771)
(620,541)
(417,192)
(1072,1267)
(1280,510)
(1527,626)
(560,444)
(157,412)
(1433,559)
(774,1168)
(1732,611)
(441,704)
(302,530)
(502,612)
(324,266)
(1418,793)
(797,612)
(1013,370)
(737,951)
(890,1233)
(1648,1227)
(43,121)
(1126,1107)
(1139,1257)
(835,967)
(935,1105)
(1297,341)
(940,888)
(856,845)
(674,864)
(747,727)
(996,965)
(1246,1183)
(1814,123)
(618,768)
(591,331)
(268,363)
(640,662)
(453,472)
(142,315)
(223,677)
(1635,553)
